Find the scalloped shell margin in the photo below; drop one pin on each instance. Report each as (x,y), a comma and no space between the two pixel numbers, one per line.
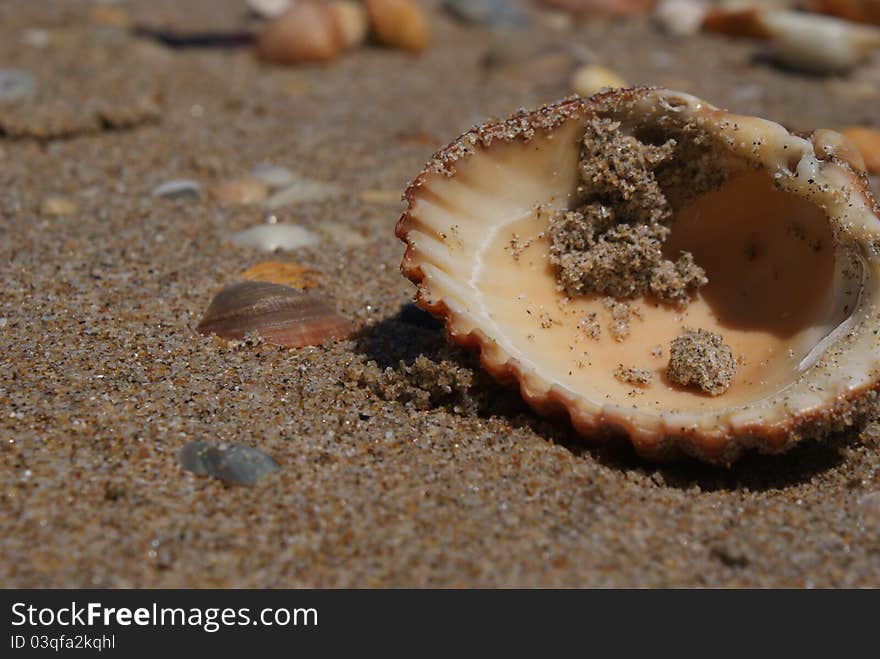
(720,446)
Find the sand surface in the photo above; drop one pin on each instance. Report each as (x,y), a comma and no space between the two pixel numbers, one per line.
(384,480)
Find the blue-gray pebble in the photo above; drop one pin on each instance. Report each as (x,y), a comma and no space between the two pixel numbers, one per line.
(16,85)
(490,13)
(233,463)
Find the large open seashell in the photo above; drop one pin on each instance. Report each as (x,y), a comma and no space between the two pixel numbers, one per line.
(788,241)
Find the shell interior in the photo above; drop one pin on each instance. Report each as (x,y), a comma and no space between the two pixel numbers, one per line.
(786,242)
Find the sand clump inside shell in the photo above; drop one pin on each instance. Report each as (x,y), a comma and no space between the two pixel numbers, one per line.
(700,358)
(612,244)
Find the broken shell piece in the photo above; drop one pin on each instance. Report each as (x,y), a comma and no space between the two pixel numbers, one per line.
(280,315)
(286,274)
(786,240)
(806,42)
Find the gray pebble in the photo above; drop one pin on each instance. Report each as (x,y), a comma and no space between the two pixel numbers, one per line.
(490,13)
(178,189)
(234,464)
(16,85)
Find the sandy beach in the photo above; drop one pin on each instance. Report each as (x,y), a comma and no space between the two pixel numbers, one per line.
(386,479)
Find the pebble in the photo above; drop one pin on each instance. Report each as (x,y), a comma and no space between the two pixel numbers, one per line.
(489,13)
(234,464)
(178,189)
(351,17)
(399,24)
(273,237)
(301,191)
(242,191)
(286,274)
(867,141)
(307,32)
(57,206)
(16,85)
(591,78)
(679,18)
(273,175)
(3,322)
(269,8)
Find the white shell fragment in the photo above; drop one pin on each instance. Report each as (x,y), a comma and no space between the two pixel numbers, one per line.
(807,42)
(302,191)
(274,237)
(269,8)
(819,44)
(178,189)
(786,235)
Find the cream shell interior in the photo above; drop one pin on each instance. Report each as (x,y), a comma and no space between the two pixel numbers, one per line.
(792,280)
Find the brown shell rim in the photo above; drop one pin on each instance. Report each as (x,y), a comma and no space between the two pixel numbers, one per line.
(845,411)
